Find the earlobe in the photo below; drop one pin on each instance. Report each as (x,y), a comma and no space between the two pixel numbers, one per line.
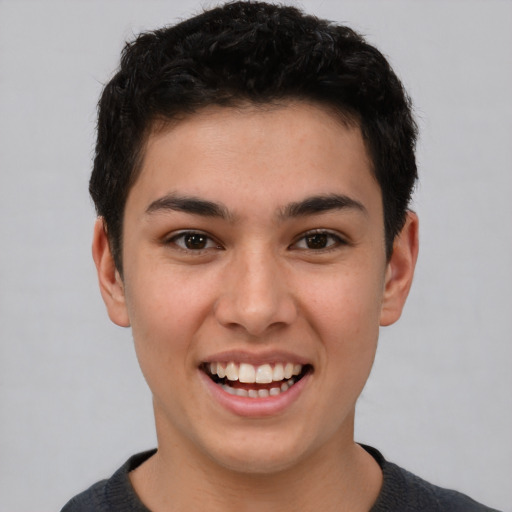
(400,271)
(111,284)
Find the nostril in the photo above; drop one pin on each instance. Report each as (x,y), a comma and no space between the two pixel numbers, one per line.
(256,304)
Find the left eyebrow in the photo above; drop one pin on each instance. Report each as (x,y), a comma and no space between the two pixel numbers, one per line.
(321,204)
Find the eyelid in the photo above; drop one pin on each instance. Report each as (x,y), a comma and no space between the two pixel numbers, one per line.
(175,235)
(340,240)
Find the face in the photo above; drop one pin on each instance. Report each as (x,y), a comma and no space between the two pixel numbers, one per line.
(255,280)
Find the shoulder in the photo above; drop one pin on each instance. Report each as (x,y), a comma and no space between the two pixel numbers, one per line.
(114,494)
(403,491)
(91,499)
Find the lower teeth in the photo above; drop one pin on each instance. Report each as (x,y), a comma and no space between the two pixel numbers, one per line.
(258,393)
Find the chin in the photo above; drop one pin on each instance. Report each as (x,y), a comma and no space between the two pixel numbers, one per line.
(258,462)
(261,452)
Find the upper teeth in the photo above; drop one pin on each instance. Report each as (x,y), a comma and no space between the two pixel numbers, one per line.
(262,374)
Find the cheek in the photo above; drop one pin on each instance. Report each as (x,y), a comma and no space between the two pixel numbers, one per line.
(165,312)
(345,304)
(345,312)
(165,297)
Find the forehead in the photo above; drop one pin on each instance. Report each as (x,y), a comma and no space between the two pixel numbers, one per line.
(258,155)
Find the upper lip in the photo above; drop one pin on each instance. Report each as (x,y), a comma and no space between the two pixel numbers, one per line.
(256,358)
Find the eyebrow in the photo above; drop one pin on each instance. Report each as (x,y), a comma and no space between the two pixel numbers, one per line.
(309,206)
(188,204)
(321,204)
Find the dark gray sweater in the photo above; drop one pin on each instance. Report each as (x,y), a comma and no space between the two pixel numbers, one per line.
(401,492)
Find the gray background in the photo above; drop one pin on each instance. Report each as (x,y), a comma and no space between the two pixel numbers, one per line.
(74,405)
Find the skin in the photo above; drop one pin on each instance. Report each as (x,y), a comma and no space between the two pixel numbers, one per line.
(257,290)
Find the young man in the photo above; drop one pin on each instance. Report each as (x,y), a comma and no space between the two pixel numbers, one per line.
(253,172)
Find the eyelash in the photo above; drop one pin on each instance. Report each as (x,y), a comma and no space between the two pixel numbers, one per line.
(210,243)
(336,240)
(183,237)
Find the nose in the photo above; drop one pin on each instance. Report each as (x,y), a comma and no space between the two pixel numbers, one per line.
(255,296)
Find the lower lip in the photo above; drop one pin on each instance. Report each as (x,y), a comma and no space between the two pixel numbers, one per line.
(255,407)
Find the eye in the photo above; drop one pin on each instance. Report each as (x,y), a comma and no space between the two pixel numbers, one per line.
(194,241)
(318,240)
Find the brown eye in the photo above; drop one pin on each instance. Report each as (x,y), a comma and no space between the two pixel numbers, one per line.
(318,240)
(193,241)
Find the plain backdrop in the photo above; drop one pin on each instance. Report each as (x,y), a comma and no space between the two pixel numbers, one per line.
(73,403)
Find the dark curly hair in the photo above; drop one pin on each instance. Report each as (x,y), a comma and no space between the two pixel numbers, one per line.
(257,53)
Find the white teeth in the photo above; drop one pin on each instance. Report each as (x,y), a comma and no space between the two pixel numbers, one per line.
(288,370)
(278,373)
(221,371)
(248,373)
(264,374)
(230,390)
(258,393)
(232,371)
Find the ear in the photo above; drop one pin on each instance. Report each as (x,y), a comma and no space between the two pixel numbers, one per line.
(400,271)
(111,284)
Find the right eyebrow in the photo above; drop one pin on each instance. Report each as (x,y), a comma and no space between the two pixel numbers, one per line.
(188,204)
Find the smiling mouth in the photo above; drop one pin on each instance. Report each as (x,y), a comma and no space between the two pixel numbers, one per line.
(262,381)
